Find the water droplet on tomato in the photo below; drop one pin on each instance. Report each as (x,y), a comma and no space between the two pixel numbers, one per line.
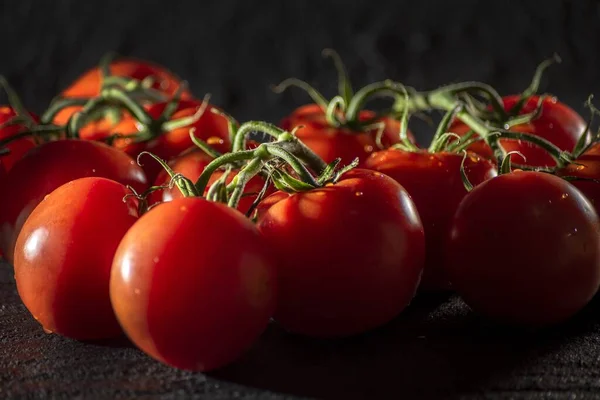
(48,331)
(93,170)
(183,208)
(564,195)
(368,148)
(156,259)
(550,125)
(358,194)
(440,163)
(580,167)
(506,126)
(553,100)
(214,140)
(136,291)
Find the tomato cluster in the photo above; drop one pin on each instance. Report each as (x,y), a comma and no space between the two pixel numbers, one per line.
(137,208)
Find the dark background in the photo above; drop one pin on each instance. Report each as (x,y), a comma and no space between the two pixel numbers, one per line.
(235,50)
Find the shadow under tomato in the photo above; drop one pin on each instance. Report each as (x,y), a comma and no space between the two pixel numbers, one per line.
(436,348)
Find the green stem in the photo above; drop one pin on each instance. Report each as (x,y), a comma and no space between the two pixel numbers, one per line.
(443,128)
(344,86)
(242,178)
(15,101)
(317,97)
(58,105)
(228,158)
(293,162)
(241,137)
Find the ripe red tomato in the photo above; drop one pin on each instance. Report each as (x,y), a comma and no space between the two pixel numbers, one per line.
(524,248)
(556,123)
(19,147)
(351,254)
(210,127)
(435,185)
(330,143)
(586,167)
(51,165)
(183,293)
(89,84)
(191,164)
(64,254)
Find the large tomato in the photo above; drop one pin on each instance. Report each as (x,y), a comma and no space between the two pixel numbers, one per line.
(184,292)
(434,182)
(64,254)
(51,165)
(556,123)
(524,248)
(330,143)
(191,164)
(19,147)
(351,254)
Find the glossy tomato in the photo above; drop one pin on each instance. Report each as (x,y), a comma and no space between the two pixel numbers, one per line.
(435,185)
(587,169)
(184,293)
(90,83)
(51,165)
(64,254)
(19,147)
(330,143)
(556,123)
(351,254)
(191,164)
(524,249)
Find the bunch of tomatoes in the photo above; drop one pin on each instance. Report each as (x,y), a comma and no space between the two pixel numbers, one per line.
(136,207)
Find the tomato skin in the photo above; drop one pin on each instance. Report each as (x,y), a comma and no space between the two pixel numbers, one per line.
(51,165)
(587,166)
(330,143)
(191,164)
(64,254)
(524,249)
(90,83)
(351,254)
(435,185)
(557,123)
(19,147)
(183,293)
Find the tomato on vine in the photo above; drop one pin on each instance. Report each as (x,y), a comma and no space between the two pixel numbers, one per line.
(64,253)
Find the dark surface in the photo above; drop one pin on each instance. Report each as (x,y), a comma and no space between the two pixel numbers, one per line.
(436,349)
(235,50)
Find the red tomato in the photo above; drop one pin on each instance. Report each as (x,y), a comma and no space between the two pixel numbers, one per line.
(587,166)
(556,123)
(51,165)
(351,254)
(524,249)
(64,254)
(19,147)
(183,293)
(330,143)
(191,164)
(210,127)
(90,83)
(435,185)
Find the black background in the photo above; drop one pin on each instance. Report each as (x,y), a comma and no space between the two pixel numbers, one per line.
(235,50)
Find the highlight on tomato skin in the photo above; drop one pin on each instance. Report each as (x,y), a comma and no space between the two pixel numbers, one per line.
(361,235)
(330,143)
(64,253)
(586,171)
(434,183)
(19,147)
(523,249)
(51,165)
(556,122)
(186,294)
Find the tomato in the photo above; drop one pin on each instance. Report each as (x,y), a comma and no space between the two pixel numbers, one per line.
(51,165)
(64,254)
(191,164)
(89,85)
(556,123)
(184,292)
(434,183)
(524,249)
(19,147)
(330,143)
(210,127)
(351,254)
(586,167)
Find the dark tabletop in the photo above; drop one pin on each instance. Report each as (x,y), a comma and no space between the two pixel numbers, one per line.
(436,349)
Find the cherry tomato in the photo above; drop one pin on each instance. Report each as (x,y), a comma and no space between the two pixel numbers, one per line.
(434,183)
(19,147)
(191,164)
(89,84)
(186,294)
(351,254)
(330,143)
(524,249)
(586,167)
(556,123)
(210,127)
(64,254)
(51,165)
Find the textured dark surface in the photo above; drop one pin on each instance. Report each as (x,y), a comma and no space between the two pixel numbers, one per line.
(235,50)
